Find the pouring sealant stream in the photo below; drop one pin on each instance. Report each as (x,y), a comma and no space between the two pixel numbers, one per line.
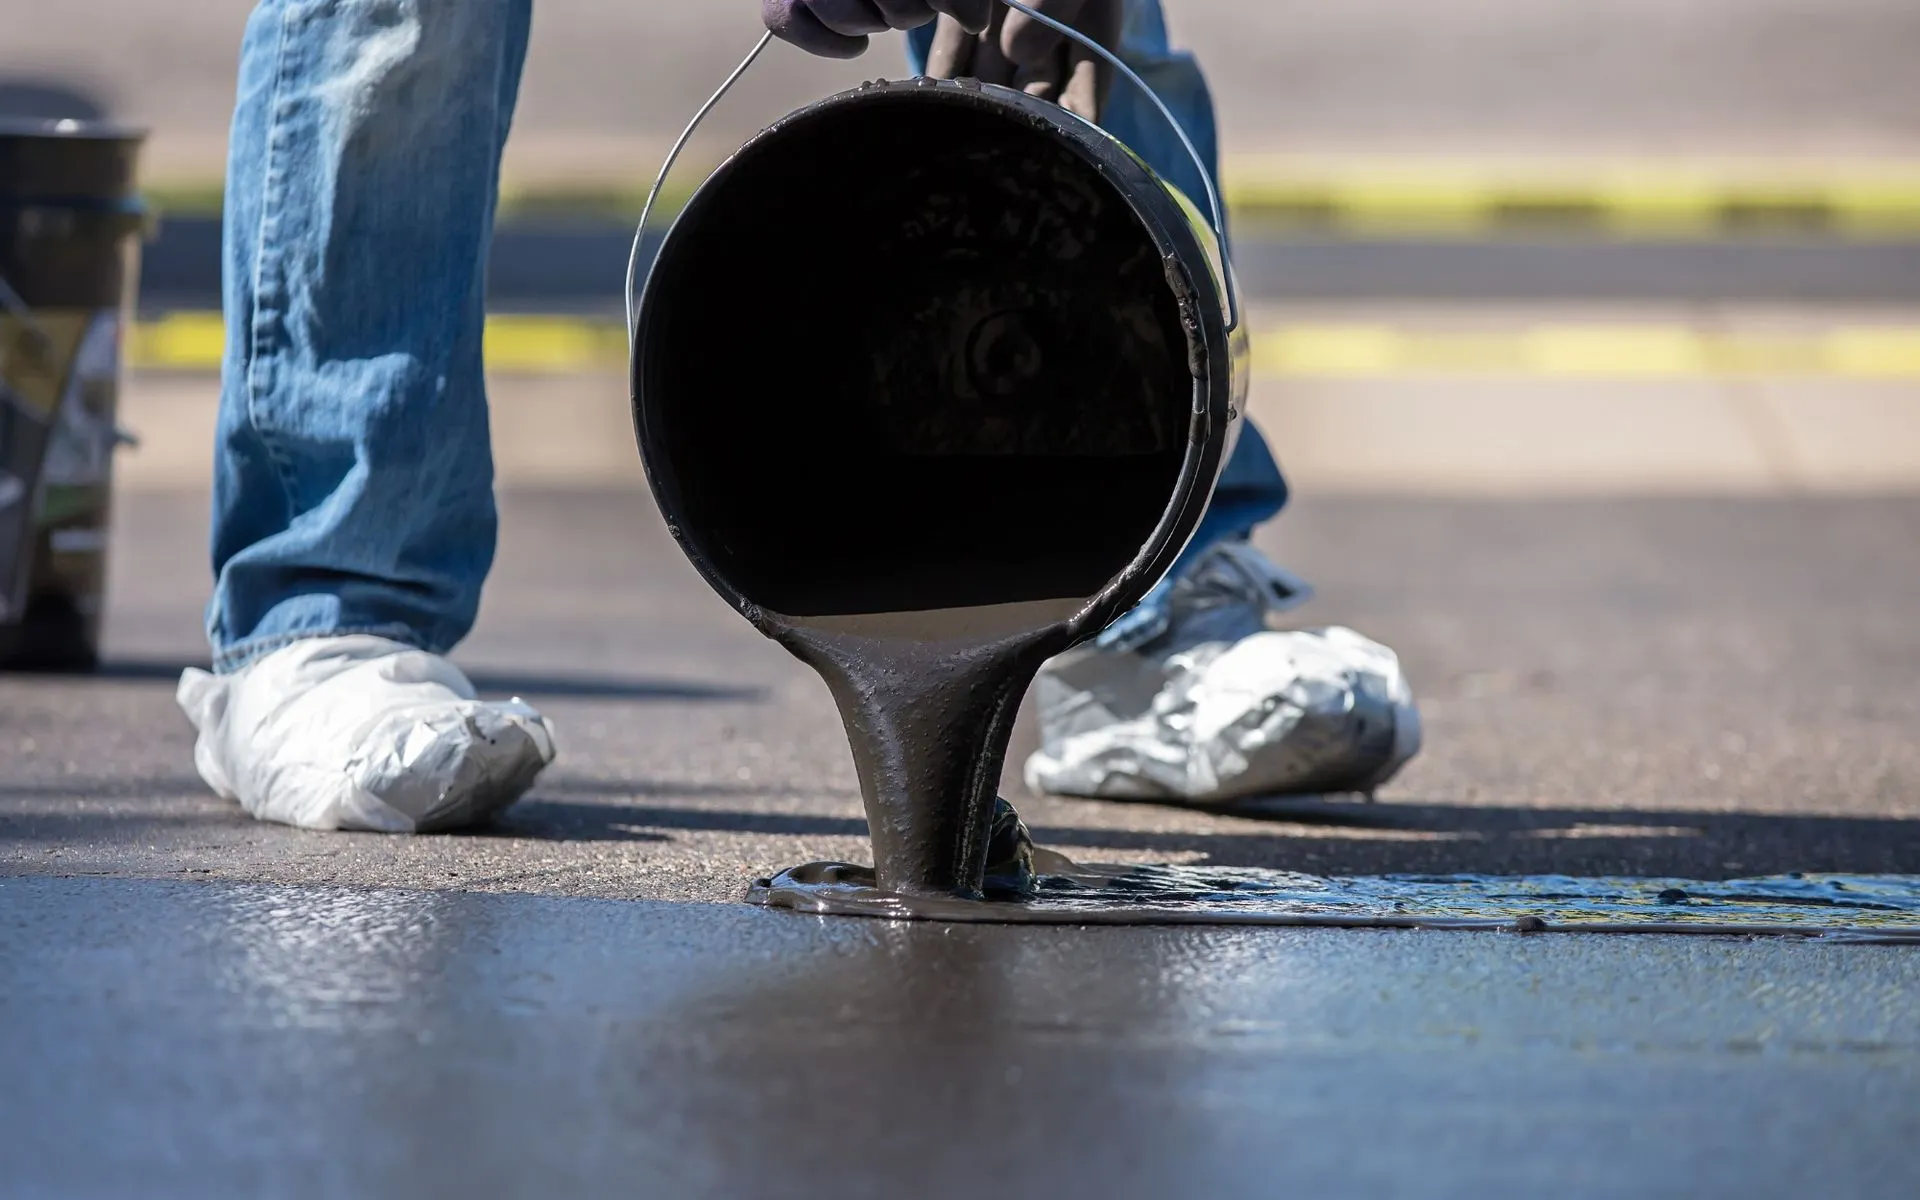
(928,716)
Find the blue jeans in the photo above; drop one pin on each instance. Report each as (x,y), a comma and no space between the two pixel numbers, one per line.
(353,479)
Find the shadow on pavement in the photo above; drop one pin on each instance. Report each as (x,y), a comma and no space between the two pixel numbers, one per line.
(1335,838)
(532,685)
(561,820)
(1314,835)
(69,787)
(1415,839)
(617,790)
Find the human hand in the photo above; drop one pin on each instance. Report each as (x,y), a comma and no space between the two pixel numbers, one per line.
(1017,51)
(839,28)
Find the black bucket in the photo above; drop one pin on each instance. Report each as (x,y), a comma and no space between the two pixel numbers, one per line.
(935,345)
(70,224)
(933,380)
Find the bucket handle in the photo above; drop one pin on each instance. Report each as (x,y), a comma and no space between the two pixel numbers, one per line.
(1216,211)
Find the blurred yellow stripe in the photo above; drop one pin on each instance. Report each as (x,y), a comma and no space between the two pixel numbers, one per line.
(188,341)
(196,341)
(1585,351)
(1439,201)
(552,344)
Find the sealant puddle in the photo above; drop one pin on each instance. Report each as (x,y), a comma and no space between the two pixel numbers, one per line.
(1834,907)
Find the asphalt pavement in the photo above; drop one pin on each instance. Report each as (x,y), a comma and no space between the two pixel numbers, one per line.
(167,1038)
(1651,687)
(574,1001)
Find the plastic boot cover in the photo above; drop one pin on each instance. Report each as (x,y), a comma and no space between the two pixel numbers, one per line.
(1216,706)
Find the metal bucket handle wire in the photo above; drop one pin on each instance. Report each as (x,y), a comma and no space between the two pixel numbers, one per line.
(1216,212)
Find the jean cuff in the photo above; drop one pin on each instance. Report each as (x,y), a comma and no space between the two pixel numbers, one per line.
(229,659)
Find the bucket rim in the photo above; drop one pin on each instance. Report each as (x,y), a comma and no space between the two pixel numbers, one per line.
(79,129)
(1164,219)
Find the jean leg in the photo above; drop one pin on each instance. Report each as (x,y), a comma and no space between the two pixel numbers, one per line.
(1251,489)
(353,478)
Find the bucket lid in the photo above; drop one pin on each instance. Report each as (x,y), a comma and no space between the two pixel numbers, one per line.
(66,161)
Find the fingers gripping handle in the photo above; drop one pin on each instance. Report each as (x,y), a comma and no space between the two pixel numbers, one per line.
(1215,210)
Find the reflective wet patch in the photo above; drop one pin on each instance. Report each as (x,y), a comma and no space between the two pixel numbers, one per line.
(1833,907)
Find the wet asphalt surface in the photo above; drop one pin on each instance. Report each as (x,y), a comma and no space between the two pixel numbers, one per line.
(223,1039)
(1675,688)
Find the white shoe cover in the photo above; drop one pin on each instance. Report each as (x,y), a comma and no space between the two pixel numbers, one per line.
(1205,703)
(361,732)
(1311,710)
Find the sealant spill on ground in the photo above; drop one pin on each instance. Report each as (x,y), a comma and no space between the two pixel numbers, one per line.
(1834,907)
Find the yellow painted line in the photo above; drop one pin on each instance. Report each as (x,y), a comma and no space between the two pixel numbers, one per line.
(1461,202)
(537,343)
(187,341)
(1355,350)
(196,341)
(1624,352)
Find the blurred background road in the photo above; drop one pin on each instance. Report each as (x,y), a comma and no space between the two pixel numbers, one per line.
(1589,335)
(1769,341)
(608,81)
